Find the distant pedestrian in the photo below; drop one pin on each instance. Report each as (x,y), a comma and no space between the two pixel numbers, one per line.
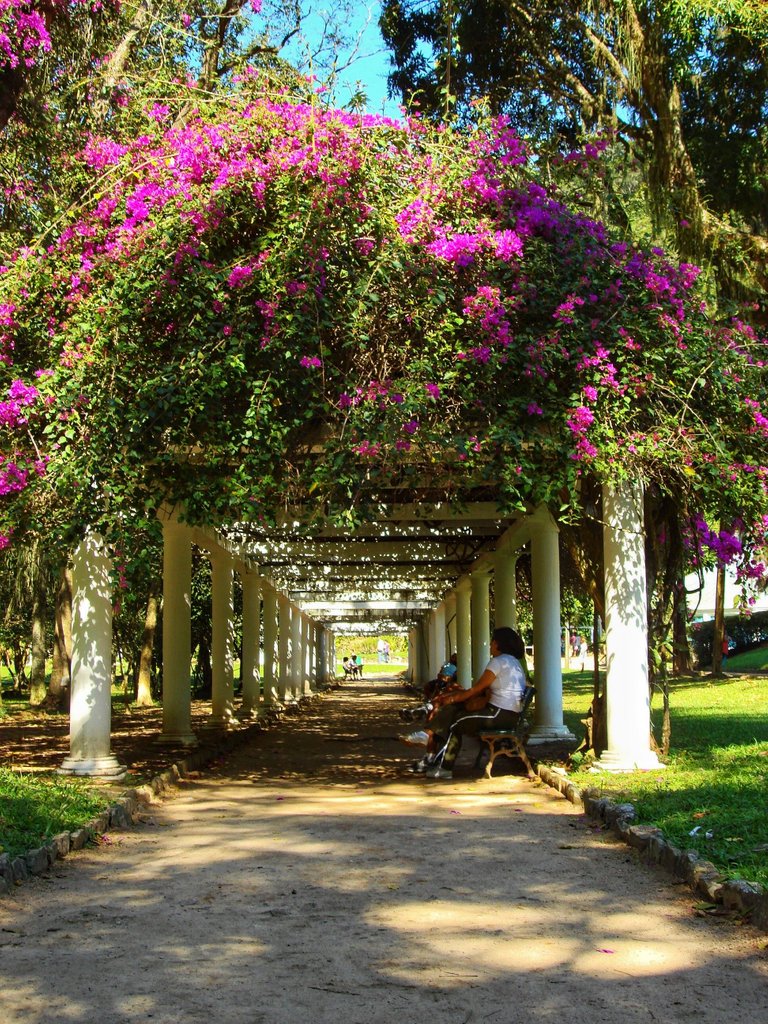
(583,650)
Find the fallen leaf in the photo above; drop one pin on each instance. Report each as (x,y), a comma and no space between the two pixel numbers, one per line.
(606,950)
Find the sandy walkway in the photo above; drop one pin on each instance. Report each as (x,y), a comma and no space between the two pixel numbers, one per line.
(309,880)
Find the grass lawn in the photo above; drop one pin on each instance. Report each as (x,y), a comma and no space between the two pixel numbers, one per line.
(749,661)
(34,808)
(716,779)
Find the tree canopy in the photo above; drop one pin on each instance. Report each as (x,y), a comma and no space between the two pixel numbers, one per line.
(260,300)
(683,85)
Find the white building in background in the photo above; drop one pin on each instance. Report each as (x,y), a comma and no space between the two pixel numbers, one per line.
(701,604)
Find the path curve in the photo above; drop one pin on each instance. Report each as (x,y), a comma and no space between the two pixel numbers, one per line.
(309,879)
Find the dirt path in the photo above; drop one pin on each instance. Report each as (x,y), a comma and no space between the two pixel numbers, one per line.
(310,880)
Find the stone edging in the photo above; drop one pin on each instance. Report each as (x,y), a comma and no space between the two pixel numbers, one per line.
(124,812)
(745,898)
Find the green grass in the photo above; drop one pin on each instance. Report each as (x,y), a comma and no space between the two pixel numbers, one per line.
(749,661)
(716,776)
(33,808)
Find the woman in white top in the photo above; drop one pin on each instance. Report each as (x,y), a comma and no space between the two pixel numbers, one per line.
(503,681)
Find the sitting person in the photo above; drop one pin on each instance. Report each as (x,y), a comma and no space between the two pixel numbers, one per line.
(503,682)
(445,677)
(349,668)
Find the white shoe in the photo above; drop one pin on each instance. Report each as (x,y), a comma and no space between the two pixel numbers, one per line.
(439,773)
(416,739)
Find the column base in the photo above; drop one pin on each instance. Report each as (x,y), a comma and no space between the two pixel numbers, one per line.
(550,734)
(226,720)
(99,767)
(639,761)
(177,739)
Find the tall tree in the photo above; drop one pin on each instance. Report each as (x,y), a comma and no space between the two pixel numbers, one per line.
(685,85)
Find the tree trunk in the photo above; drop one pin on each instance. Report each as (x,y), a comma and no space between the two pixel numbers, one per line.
(37,690)
(144,677)
(61,673)
(683,662)
(718,632)
(120,58)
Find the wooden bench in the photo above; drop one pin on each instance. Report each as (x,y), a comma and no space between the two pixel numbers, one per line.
(510,742)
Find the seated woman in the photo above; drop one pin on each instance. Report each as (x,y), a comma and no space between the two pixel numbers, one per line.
(503,682)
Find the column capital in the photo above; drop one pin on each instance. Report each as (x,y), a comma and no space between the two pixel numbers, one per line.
(168,513)
(506,554)
(220,555)
(542,520)
(480,572)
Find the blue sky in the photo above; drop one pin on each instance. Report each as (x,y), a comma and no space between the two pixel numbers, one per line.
(371,64)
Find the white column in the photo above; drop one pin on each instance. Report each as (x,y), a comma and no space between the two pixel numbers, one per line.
(90,710)
(297,653)
(548,672)
(309,655)
(628,710)
(505,588)
(413,661)
(437,641)
(322,657)
(269,612)
(249,666)
(177,634)
(450,623)
(464,633)
(222,642)
(481,621)
(283,647)
(422,652)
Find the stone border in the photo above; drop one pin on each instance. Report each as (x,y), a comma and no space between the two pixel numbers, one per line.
(124,812)
(745,898)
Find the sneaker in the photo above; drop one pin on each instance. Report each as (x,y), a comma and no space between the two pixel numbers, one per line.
(416,739)
(436,772)
(419,767)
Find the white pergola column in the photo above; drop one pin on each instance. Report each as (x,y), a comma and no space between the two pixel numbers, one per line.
(628,709)
(322,656)
(480,621)
(450,623)
(309,655)
(505,589)
(331,655)
(548,672)
(177,634)
(222,643)
(249,665)
(464,633)
(269,614)
(422,652)
(297,653)
(436,640)
(90,710)
(413,660)
(283,648)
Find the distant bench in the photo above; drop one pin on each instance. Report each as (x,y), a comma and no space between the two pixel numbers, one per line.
(510,742)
